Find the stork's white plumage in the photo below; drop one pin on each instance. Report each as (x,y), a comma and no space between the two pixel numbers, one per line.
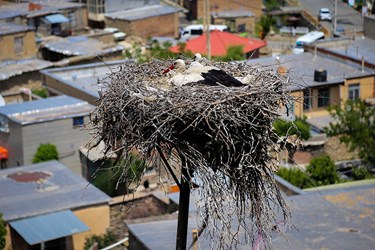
(208,75)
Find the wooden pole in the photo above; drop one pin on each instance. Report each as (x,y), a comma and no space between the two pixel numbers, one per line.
(183,209)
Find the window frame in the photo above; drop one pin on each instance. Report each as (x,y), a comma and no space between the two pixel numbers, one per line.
(323,100)
(354,91)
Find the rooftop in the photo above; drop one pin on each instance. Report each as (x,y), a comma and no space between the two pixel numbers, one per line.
(43,188)
(48,7)
(336,218)
(357,48)
(79,45)
(84,78)
(46,109)
(143,12)
(10,68)
(11,28)
(301,69)
(232,13)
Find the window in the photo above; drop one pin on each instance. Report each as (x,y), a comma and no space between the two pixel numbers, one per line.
(78,121)
(72,19)
(18,45)
(307,99)
(323,97)
(353,92)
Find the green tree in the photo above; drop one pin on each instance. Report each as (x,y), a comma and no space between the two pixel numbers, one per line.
(3,232)
(298,127)
(263,26)
(355,126)
(322,171)
(234,53)
(103,240)
(46,152)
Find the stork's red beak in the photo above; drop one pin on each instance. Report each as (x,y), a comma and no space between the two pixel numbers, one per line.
(168,69)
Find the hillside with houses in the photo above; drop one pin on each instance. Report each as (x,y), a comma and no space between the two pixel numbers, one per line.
(63,186)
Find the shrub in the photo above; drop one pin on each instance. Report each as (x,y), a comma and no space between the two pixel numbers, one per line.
(295,176)
(46,152)
(322,171)
(299,127)
(42,92)
(103,240)
(361,173)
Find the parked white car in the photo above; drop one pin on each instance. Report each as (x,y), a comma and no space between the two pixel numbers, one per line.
(117,34)
(325,14)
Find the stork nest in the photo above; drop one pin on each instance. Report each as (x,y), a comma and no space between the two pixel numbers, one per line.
(223,137)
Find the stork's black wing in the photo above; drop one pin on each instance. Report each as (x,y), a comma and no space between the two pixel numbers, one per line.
(215,76)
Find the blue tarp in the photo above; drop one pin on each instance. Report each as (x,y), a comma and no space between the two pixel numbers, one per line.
(48,227)
(56,18)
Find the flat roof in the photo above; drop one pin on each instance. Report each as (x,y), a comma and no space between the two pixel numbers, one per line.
(338,218)
(11,28)
(44,188)
(46,109)
(143,12)
(85,77)
(357,48)
(301,69)
(48,7)
(10,68)
(79,45)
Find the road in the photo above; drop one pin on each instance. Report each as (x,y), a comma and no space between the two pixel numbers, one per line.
(348,18)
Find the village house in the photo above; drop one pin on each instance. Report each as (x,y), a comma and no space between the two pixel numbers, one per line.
(47,206)
(142,21)
(197,9)
(19,65)
(236,20)
(220,42)
(61,18)
(55,120)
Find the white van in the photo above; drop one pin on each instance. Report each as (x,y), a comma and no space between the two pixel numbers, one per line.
(198,29)
(308,38)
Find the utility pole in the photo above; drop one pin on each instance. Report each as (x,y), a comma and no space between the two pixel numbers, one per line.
(207,21)
(334,22)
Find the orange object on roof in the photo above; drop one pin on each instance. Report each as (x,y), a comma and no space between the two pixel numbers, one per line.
(3,153)
(220,42)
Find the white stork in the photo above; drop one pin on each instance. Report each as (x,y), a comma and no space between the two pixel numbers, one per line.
(197,73)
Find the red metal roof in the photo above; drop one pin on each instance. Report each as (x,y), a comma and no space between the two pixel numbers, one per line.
(220,42)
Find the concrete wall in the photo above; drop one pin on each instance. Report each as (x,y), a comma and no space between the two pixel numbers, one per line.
(249,23)
(7,48)
(164,25)
(368,26)
(60,133)
(97,218)
(56,85)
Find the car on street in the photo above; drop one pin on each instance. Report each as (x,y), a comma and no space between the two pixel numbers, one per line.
(325,14)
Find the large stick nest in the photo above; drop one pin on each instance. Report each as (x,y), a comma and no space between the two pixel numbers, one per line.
(223,135)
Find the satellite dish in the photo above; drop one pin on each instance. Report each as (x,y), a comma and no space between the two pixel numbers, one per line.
(2,101)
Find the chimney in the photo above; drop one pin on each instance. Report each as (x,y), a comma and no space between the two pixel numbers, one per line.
(320,75)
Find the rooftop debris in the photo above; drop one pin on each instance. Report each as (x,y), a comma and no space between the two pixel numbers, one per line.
(222,135)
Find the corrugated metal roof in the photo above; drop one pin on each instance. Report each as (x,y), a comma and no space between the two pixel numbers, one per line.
(11,28)
(80,45)
(46,109)
(10,68)
(56,18)
(143,12)
(62,190)
(84,78)
(48,227)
